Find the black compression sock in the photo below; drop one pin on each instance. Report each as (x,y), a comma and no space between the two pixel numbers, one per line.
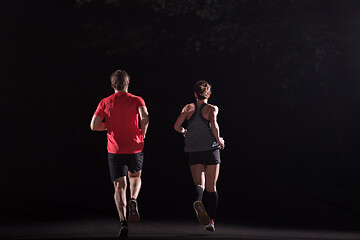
(198,192)
(212,200)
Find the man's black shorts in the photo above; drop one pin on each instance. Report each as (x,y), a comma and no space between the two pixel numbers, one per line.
(211,157)
(120,164)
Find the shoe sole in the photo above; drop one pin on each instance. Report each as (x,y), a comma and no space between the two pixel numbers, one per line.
(209,228)
(134,215)
(201,214)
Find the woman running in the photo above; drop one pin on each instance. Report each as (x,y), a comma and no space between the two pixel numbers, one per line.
(202,142)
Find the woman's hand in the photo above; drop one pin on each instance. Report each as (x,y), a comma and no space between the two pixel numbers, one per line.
(184,132)
(221,143)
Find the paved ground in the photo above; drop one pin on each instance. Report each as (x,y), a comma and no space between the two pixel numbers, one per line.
(100,228)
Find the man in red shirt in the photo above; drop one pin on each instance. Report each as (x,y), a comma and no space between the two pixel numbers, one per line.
(125,143)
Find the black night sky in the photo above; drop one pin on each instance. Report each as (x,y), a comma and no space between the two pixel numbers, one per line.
(285,77)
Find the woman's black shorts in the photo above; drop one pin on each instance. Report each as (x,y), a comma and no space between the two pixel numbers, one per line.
(120,164)
(211,157)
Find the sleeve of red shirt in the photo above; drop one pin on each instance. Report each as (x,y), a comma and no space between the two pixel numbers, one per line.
(141,102)
(100,110)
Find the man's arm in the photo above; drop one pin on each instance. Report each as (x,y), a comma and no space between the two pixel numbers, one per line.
(144,119)
(96,124)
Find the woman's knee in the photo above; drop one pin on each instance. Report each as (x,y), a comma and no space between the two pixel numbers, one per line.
(210,187)
(200,185)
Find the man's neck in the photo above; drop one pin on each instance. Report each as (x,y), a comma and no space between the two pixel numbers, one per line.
(117,91)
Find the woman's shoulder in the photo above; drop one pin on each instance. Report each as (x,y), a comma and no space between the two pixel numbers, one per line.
(212,107)
(189,107)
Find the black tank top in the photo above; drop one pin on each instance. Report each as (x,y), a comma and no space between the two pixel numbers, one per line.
(199,136)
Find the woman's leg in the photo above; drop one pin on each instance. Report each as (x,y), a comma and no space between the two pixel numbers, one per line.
(198,176)
(212,174)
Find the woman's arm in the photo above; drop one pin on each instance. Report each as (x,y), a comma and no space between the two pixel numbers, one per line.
(215,126)
(96,124)
(180,120)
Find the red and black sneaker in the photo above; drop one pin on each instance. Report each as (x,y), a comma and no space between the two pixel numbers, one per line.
(134,215)
(210,226)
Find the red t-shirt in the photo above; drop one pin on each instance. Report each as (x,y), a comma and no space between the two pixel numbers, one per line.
(121,114)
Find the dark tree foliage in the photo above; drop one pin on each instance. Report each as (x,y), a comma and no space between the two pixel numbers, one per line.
(295,39)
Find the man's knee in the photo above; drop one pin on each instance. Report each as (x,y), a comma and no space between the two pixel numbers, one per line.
(120,184)
(135,174)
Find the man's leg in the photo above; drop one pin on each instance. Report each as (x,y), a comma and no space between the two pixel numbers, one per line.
(120,185)
(135,186)
(134,173)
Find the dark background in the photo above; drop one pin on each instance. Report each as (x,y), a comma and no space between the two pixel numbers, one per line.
(285,76)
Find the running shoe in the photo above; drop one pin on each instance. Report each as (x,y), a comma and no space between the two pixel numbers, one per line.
(123,233)
(201,214)
(134,215)
(210,226)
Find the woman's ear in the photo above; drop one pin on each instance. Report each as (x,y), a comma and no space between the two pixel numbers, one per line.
(209,94)
(195,95)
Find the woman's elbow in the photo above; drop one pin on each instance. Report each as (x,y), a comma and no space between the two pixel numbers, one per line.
(214,126)
(176,127)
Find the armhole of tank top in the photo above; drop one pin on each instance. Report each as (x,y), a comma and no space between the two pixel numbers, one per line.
(193,115)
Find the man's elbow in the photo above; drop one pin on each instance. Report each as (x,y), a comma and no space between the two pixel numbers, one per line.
(92,126)
(145,119)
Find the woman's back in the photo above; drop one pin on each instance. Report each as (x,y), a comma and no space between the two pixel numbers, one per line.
(199,136)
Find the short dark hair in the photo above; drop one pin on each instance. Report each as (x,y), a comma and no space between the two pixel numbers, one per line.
(202,89)
(120,80)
